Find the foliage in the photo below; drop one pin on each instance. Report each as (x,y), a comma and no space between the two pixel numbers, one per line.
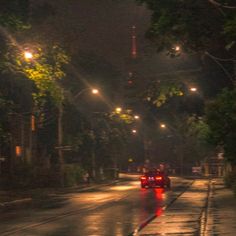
(188,135)
(230,29)
(221,118)
(198,128)
(198,133)
(158,94)
(6,107)
(207,27)
(14,14)
(28,176)
(103,140)
(73,175)
(44,69)
(184,23)
(125,117)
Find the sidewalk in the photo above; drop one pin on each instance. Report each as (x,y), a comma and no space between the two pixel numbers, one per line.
(188,215)
(222,211)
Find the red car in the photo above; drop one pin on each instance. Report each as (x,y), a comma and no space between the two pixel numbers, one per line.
(155,179)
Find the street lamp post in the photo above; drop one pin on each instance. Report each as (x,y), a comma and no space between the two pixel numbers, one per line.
(60,146)
(28,56)
(94,91)
(164,126)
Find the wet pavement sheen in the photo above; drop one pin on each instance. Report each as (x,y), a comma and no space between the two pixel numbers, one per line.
(222,211)
(108,211)
(183,217)
(203,210)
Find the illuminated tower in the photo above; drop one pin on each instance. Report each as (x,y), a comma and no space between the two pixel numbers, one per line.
(134,44)
(130,86)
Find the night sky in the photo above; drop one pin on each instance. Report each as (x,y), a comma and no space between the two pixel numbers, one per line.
(103,27)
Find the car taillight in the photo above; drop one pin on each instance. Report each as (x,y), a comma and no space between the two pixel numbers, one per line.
(143,178)
(158,178)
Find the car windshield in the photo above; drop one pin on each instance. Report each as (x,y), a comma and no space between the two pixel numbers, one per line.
(153,173)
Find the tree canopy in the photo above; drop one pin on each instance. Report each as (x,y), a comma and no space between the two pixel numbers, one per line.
(14,14)
(206,28)
(195,25)
(221,117)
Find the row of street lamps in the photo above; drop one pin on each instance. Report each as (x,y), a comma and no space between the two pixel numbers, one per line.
(28,55)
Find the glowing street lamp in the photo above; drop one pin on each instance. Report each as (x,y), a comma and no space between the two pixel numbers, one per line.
(136,117)
(134,131)
(163,126)
(177,48)
(28,55)
(181,143)
(118,109)
(193,89)
(95,91)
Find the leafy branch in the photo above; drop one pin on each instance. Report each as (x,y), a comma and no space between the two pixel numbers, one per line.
(45,70)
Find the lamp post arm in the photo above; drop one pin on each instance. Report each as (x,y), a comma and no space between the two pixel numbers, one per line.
(80,92)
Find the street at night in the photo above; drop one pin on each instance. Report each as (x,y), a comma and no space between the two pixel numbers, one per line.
(123,208)
(117,209)
(117,117)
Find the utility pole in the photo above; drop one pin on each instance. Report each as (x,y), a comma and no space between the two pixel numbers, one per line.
(93,154)
(31,137)
(22,137)
(60,141)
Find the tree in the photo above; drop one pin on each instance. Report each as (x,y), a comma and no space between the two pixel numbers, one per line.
(14,14)
(41,76)
(221,118)
(45,69)
(6,107)
(100,142)
(206,27)
(184,136)
(184,23)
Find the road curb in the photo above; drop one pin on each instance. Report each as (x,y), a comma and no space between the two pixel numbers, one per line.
(15,204)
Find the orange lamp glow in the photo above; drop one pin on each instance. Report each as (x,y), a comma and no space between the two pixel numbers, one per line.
(18,151)
(28,55)
(33,123)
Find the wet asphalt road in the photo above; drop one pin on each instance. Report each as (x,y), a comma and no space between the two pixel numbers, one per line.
(105,211)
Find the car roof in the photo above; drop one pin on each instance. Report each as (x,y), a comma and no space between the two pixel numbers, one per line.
(153,172)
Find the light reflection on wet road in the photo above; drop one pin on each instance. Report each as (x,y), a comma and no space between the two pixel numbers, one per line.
(107,211)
